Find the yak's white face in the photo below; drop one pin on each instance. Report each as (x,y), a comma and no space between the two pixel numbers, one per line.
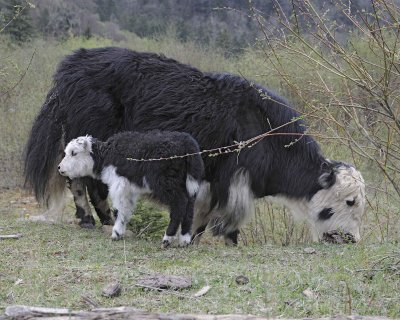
(338,206)
(77,161)
(341,206)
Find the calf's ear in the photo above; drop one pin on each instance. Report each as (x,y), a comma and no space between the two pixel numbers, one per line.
(85,145)
(328,177)
(83,142)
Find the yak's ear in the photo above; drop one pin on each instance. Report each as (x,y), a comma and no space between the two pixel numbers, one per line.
(328,177)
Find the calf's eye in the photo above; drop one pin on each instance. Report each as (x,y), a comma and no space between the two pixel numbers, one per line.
(73,153)
(351,203)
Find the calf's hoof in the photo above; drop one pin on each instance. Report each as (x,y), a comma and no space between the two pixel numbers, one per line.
(184,240)
(165,244)
(115,236)
(167,241)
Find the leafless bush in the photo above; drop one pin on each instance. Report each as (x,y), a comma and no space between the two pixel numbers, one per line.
(346,76)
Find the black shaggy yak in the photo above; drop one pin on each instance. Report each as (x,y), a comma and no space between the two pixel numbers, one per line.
(107,90)
(172,182)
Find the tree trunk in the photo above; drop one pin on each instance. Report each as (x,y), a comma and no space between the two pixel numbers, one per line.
(25,312)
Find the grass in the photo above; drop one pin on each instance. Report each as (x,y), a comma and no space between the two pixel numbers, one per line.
(57,265)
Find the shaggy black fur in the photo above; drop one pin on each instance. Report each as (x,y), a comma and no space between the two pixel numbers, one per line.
(166,179)
(107,90)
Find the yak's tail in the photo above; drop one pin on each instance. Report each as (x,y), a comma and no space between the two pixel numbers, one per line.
(43,152)
(195,172)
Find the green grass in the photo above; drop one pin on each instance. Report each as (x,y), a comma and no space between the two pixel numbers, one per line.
(59,264)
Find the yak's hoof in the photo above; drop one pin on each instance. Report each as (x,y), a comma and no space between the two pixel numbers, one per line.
(86,225)
(107,223)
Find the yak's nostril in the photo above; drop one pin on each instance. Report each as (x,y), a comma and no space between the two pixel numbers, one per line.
(58,167)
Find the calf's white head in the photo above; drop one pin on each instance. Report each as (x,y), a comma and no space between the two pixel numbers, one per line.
(340,204)
(77,161)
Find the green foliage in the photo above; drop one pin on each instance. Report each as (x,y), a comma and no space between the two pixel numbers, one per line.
(15,19)
(149,221)
(87,34)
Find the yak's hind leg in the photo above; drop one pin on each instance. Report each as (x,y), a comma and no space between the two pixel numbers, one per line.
(200,222)
(98,193)
(202,212)
(227,219)
(83,212)
(231,239)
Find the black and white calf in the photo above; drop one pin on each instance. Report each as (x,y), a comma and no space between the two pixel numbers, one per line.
(172,182)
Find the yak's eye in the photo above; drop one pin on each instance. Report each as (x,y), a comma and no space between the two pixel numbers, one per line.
(326,213)
(73,153)
(351,203)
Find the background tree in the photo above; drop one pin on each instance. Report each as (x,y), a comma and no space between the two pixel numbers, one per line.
(15,14)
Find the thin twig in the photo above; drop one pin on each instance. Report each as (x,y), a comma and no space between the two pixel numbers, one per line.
(17,15)
(22,76)
(10,236)
(164,291)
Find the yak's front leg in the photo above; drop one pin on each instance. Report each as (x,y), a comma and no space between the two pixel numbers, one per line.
(98,193)
(83,212)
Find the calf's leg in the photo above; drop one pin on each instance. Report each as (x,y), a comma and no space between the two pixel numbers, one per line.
(124,202)
(186,224)
(177,212)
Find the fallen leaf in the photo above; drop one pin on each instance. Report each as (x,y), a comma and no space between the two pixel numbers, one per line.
(202,291)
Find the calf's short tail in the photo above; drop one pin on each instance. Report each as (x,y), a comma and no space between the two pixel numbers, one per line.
(195,173)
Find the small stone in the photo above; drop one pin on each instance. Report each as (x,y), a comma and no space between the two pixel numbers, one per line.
(107,229)
(309,293)
(309,250)
(242,280)
(112,290)
(160,281)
